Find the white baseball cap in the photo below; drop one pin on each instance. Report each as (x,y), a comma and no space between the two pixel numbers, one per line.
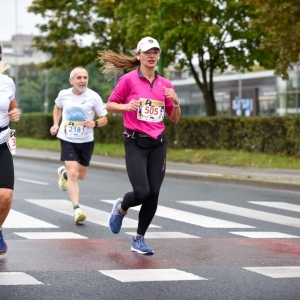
(147,43)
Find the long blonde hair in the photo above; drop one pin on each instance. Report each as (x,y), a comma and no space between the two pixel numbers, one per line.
(4,66)
(114,63)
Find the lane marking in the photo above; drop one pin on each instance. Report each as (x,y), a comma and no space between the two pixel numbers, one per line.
(146,275)
(17,278)
(166,235)
(32,181)
(246,212)
(19,220)
(265,235)
(280,205)
(50,235)
(92,215)
(277,272)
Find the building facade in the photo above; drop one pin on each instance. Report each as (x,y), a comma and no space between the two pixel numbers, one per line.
(19,51)
(250,94)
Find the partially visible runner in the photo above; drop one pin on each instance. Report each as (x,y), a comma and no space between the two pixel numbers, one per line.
(8,112)
(77,106)
(143,97)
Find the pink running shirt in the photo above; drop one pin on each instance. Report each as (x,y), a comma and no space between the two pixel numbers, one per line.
(134,85)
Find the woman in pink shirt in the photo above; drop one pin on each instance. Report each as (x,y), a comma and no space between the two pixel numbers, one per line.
(143,97)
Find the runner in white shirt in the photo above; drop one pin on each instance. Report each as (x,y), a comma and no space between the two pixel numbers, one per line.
(8,112)
(77,107)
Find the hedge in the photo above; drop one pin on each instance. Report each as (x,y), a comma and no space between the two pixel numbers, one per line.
(279,135)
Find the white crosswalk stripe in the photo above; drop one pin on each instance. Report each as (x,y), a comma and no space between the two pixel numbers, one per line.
(191,218)
(265,235)
(19,220)
(280,205)
(94,215)
(139,275)
(17,278)
(50,235)
(246,212)
(277,272)
(166,235)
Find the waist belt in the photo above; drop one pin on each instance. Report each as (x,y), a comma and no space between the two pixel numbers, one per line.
(135,133)
(3,128)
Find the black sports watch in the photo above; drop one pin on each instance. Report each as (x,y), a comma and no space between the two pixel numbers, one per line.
(96,123)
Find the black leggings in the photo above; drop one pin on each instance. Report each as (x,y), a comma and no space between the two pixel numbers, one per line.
(6,168)
(146,171)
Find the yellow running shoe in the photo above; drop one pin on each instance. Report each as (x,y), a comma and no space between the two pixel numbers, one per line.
(79,215)
(62,178)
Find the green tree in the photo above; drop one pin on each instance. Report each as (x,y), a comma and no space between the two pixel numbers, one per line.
(30,72)
(214,33)
(35,83)
(280,22)
(203,36)
(31,97)
(74,30)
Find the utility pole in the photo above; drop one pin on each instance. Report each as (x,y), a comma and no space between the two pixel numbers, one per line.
(297,88)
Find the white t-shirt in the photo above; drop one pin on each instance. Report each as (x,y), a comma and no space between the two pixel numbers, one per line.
(76,109)
(7,94)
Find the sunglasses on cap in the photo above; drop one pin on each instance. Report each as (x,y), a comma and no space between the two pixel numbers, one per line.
(148,52)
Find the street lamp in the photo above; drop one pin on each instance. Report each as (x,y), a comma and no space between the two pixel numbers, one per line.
(240,86)
(46,101)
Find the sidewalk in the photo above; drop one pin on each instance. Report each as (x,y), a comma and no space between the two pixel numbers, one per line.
(268,178)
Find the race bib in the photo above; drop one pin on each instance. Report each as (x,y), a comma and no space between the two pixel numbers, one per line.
(12,142)
(150,110)
(74,129)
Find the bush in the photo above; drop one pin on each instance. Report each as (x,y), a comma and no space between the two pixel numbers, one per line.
(277,135)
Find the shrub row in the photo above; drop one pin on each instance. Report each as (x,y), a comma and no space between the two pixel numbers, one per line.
(279,135)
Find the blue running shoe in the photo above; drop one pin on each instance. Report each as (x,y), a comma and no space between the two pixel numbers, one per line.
(3,246)
(116,218)
(139,245)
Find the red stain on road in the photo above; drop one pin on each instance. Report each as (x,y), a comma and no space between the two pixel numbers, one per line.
(107,254)
(275,246)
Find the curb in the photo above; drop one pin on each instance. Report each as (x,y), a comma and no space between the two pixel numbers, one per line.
(188,175)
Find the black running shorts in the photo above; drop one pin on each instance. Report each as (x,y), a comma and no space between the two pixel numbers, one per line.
(7,176)
(80,152)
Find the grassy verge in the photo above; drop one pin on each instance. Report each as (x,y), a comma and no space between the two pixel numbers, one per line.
(216,157)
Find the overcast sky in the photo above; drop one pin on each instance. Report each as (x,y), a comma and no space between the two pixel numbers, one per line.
(25,23)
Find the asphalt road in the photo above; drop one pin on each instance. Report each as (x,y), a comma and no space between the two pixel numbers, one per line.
(211,241)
